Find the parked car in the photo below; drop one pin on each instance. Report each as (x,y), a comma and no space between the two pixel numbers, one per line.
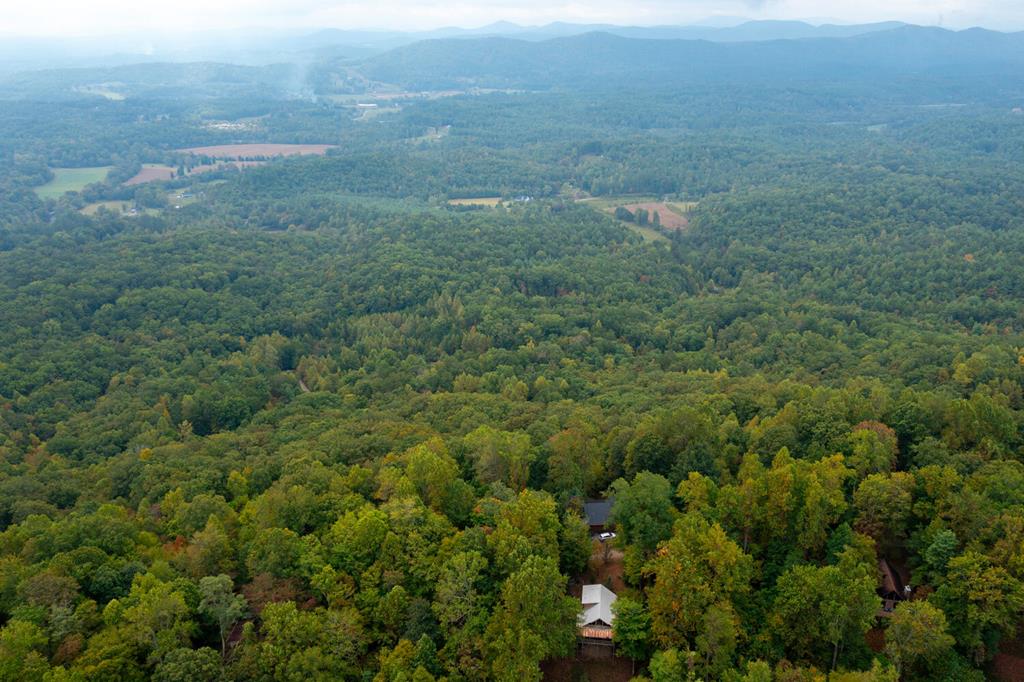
(603,537)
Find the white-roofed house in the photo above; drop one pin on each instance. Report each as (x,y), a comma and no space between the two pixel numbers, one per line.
(597,618)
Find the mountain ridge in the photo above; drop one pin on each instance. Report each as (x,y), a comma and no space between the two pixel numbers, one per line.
(595,56)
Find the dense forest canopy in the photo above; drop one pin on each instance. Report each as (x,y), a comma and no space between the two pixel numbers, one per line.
(337,416)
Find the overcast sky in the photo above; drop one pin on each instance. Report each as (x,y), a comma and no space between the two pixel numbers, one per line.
(94,17)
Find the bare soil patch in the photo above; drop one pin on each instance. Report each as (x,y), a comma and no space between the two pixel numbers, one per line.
(115,206)
(151,172)
(604,670)
(670,218)
(1007,668)
(875,638)
(243,151)
(489,202)
(1008,664)
(605,567)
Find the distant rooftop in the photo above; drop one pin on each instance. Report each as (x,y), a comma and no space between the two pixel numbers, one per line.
(597,511)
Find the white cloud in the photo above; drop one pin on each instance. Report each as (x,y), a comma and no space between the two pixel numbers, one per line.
(75,17)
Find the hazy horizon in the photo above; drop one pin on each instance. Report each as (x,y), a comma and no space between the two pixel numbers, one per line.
(70,19)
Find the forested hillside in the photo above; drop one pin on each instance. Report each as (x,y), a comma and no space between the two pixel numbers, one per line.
(602,59)
(337,417)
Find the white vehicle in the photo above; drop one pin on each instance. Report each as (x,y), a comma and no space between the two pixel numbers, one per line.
(603,537)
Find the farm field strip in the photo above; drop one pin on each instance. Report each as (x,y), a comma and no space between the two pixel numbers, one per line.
(118,206)
(670,218)
(672,214)
(76,179)
(71,180)
(151,172)
(490,202)
(240,151)
(224,165)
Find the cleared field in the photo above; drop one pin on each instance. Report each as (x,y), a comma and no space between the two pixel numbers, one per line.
(182,197)
(210,167)
(151,172)
(649,234)
(115,206)
(433,135)
(671,218)
(125,208)
(242,151)
(489,202)
(672,214)
(370,114)
(71,180)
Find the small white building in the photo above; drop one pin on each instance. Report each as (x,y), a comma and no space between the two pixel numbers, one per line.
(597,607)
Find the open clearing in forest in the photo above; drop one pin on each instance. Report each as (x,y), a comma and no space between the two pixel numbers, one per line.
(224,165)
(151,172)
(248,151)
(604,203)
(176,199)
(1008,664)
(489,202)
(606,567)
(115,206)
(76,179)
(648,234)
(71,180)
(616,669)
(125,208)
(1007,668)
(670,215)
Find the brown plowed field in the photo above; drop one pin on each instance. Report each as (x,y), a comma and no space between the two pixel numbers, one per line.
(151,173)
(241,151)
(670,220)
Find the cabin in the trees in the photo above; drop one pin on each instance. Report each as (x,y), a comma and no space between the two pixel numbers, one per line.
(597,617)
(597,513)
(895,588)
